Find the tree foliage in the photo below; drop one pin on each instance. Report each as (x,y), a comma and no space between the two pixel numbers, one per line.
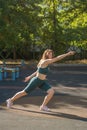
(27,24)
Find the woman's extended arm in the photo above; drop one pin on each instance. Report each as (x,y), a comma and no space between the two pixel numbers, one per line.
(60,57)
(30,76)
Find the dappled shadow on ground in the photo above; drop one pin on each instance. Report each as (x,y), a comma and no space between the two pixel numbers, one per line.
(61,98)
(57,102)
(64,106)
(68,78)
(65,97)
(1,108)
(54,114)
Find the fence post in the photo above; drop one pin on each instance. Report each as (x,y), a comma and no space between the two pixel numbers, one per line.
(13,74)
(0,73)
(17,72)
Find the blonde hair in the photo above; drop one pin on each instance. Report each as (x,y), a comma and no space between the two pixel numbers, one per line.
(46,54)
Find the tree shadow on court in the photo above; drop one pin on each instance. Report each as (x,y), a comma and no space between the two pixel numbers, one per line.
(58,101)
(36,97)
(54,114)
(68,78)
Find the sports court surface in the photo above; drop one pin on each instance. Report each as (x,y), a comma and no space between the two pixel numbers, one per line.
(68,106)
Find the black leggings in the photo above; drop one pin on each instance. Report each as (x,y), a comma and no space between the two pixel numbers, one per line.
(36,82)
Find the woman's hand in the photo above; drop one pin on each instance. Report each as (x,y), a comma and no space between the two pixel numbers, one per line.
(27,79)
(71,53)
(30,77)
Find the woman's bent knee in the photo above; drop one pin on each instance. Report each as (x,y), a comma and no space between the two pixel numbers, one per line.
(51,91)
(23,92)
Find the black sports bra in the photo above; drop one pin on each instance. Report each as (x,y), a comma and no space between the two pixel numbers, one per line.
(43,70)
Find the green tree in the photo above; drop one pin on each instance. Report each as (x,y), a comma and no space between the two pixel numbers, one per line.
(26,24)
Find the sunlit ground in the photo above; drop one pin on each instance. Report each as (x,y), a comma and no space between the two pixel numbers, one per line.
(19,61)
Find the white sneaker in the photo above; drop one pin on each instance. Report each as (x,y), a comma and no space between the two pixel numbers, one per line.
(44,108)
(9,103)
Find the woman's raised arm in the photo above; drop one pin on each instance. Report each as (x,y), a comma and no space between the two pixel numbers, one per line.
(60,57)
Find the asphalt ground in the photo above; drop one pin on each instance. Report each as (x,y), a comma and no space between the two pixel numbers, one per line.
(68,106)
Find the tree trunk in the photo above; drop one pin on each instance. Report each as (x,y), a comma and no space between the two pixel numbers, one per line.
(14,53)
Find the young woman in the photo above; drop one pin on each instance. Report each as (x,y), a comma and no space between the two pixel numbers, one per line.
(38,79)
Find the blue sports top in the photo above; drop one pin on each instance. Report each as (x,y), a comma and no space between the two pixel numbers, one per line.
(43,70)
